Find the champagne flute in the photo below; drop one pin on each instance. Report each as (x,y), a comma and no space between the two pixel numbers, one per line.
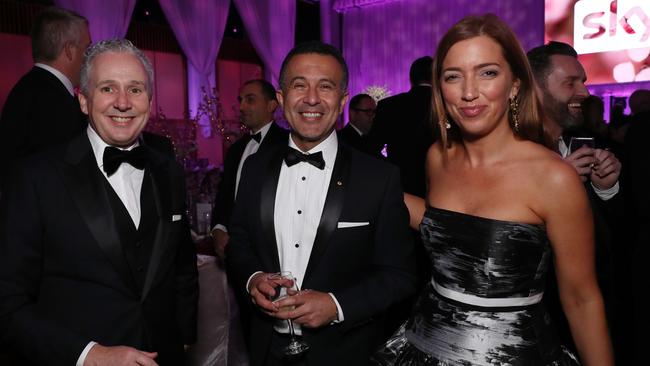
(296,345)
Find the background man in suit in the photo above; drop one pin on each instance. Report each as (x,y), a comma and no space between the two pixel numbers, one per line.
(637,197)
(42,109)
(561,81)
(331,215)
(257,103)
(403,124)
(362,112)
(96,262)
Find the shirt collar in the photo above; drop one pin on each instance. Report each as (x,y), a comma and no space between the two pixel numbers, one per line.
(99,145)
(562,147)
(59,75)
(329,147)
(355,128)
(264,130)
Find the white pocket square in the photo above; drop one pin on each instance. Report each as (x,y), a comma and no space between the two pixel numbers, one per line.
(176,218)
(343,224)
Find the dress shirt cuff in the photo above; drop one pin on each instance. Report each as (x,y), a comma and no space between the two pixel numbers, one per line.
(219,227)
(84,353)
(606,194)
(249,281)
(339,311)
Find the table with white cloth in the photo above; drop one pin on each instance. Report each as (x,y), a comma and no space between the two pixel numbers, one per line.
(219,336)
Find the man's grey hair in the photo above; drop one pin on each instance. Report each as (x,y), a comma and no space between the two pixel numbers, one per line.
(114,46)
(52,29)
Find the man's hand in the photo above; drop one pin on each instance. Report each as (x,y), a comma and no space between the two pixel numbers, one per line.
(263,288)
(606,170)
(582,160)
(219,242)
(119,356)
(313,309)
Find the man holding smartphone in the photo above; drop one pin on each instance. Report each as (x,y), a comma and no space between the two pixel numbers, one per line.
(561,81)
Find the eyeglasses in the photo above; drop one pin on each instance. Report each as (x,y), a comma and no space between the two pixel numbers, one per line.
(368,110)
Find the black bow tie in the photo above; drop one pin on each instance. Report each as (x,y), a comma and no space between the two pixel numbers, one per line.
(294,156)
(257,137)
(114,157)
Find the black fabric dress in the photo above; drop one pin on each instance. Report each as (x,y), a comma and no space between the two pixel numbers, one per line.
(483,304)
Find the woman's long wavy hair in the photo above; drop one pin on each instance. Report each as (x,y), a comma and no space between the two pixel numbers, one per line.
(530,109)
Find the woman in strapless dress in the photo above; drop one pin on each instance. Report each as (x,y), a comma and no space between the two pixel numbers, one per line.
(499,206)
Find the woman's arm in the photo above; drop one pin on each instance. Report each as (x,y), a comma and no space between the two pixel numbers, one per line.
(569,223)
(416,208)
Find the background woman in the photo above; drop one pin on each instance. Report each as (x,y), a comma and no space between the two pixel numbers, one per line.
(499,204)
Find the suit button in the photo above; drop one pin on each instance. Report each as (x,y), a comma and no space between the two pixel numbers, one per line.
(299,212)
(140,269)
(303,178)
(297,245)
(138,244)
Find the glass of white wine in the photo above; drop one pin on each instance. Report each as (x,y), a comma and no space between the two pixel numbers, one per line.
(289,286)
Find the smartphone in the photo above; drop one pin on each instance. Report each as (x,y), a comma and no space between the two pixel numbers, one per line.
(578,142)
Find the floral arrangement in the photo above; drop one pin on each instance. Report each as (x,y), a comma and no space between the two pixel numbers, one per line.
(377,92)
(210,108)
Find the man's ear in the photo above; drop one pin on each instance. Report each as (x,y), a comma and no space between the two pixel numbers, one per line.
(271,106)
(68,51)
(279,96)
(344,100)
(83,103)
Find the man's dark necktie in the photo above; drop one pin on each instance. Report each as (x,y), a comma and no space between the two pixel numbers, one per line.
(114,157)
(257,137)
(294,156)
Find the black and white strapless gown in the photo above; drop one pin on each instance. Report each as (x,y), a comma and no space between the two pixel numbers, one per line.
(483,304)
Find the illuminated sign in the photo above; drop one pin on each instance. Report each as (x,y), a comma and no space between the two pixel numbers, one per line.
(606,25)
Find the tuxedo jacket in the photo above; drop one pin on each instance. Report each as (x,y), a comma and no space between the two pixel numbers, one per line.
(39,112)
(637,204)
(351,137)
(367,267)
(64,278)
(225,198)
(402,123)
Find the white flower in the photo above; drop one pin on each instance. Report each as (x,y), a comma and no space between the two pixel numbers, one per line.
(377,92)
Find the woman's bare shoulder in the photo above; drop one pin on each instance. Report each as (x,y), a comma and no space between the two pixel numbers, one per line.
(553,183)
(438,154)
(548,168)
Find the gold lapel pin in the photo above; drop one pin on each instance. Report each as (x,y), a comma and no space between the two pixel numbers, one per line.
(339,183)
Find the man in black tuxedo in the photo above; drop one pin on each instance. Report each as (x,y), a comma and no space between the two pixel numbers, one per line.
(362,112)
(560,79)
(42,109)
(97,266)
(257,103)
(402,124)
(637,199)
(331,215)
(637,172)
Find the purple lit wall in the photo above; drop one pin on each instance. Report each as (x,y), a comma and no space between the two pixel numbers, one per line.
(382,38)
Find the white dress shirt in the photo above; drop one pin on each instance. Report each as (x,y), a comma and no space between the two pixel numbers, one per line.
(603,194)
(299,200)
(250,149)
(127,183)
(59,75)
(356,129)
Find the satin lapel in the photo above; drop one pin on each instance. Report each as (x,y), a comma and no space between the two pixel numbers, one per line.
(267,206)
(87,188)
(332,208)
(162,192)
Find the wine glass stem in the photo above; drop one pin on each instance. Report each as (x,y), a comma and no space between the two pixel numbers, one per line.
(291,330)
